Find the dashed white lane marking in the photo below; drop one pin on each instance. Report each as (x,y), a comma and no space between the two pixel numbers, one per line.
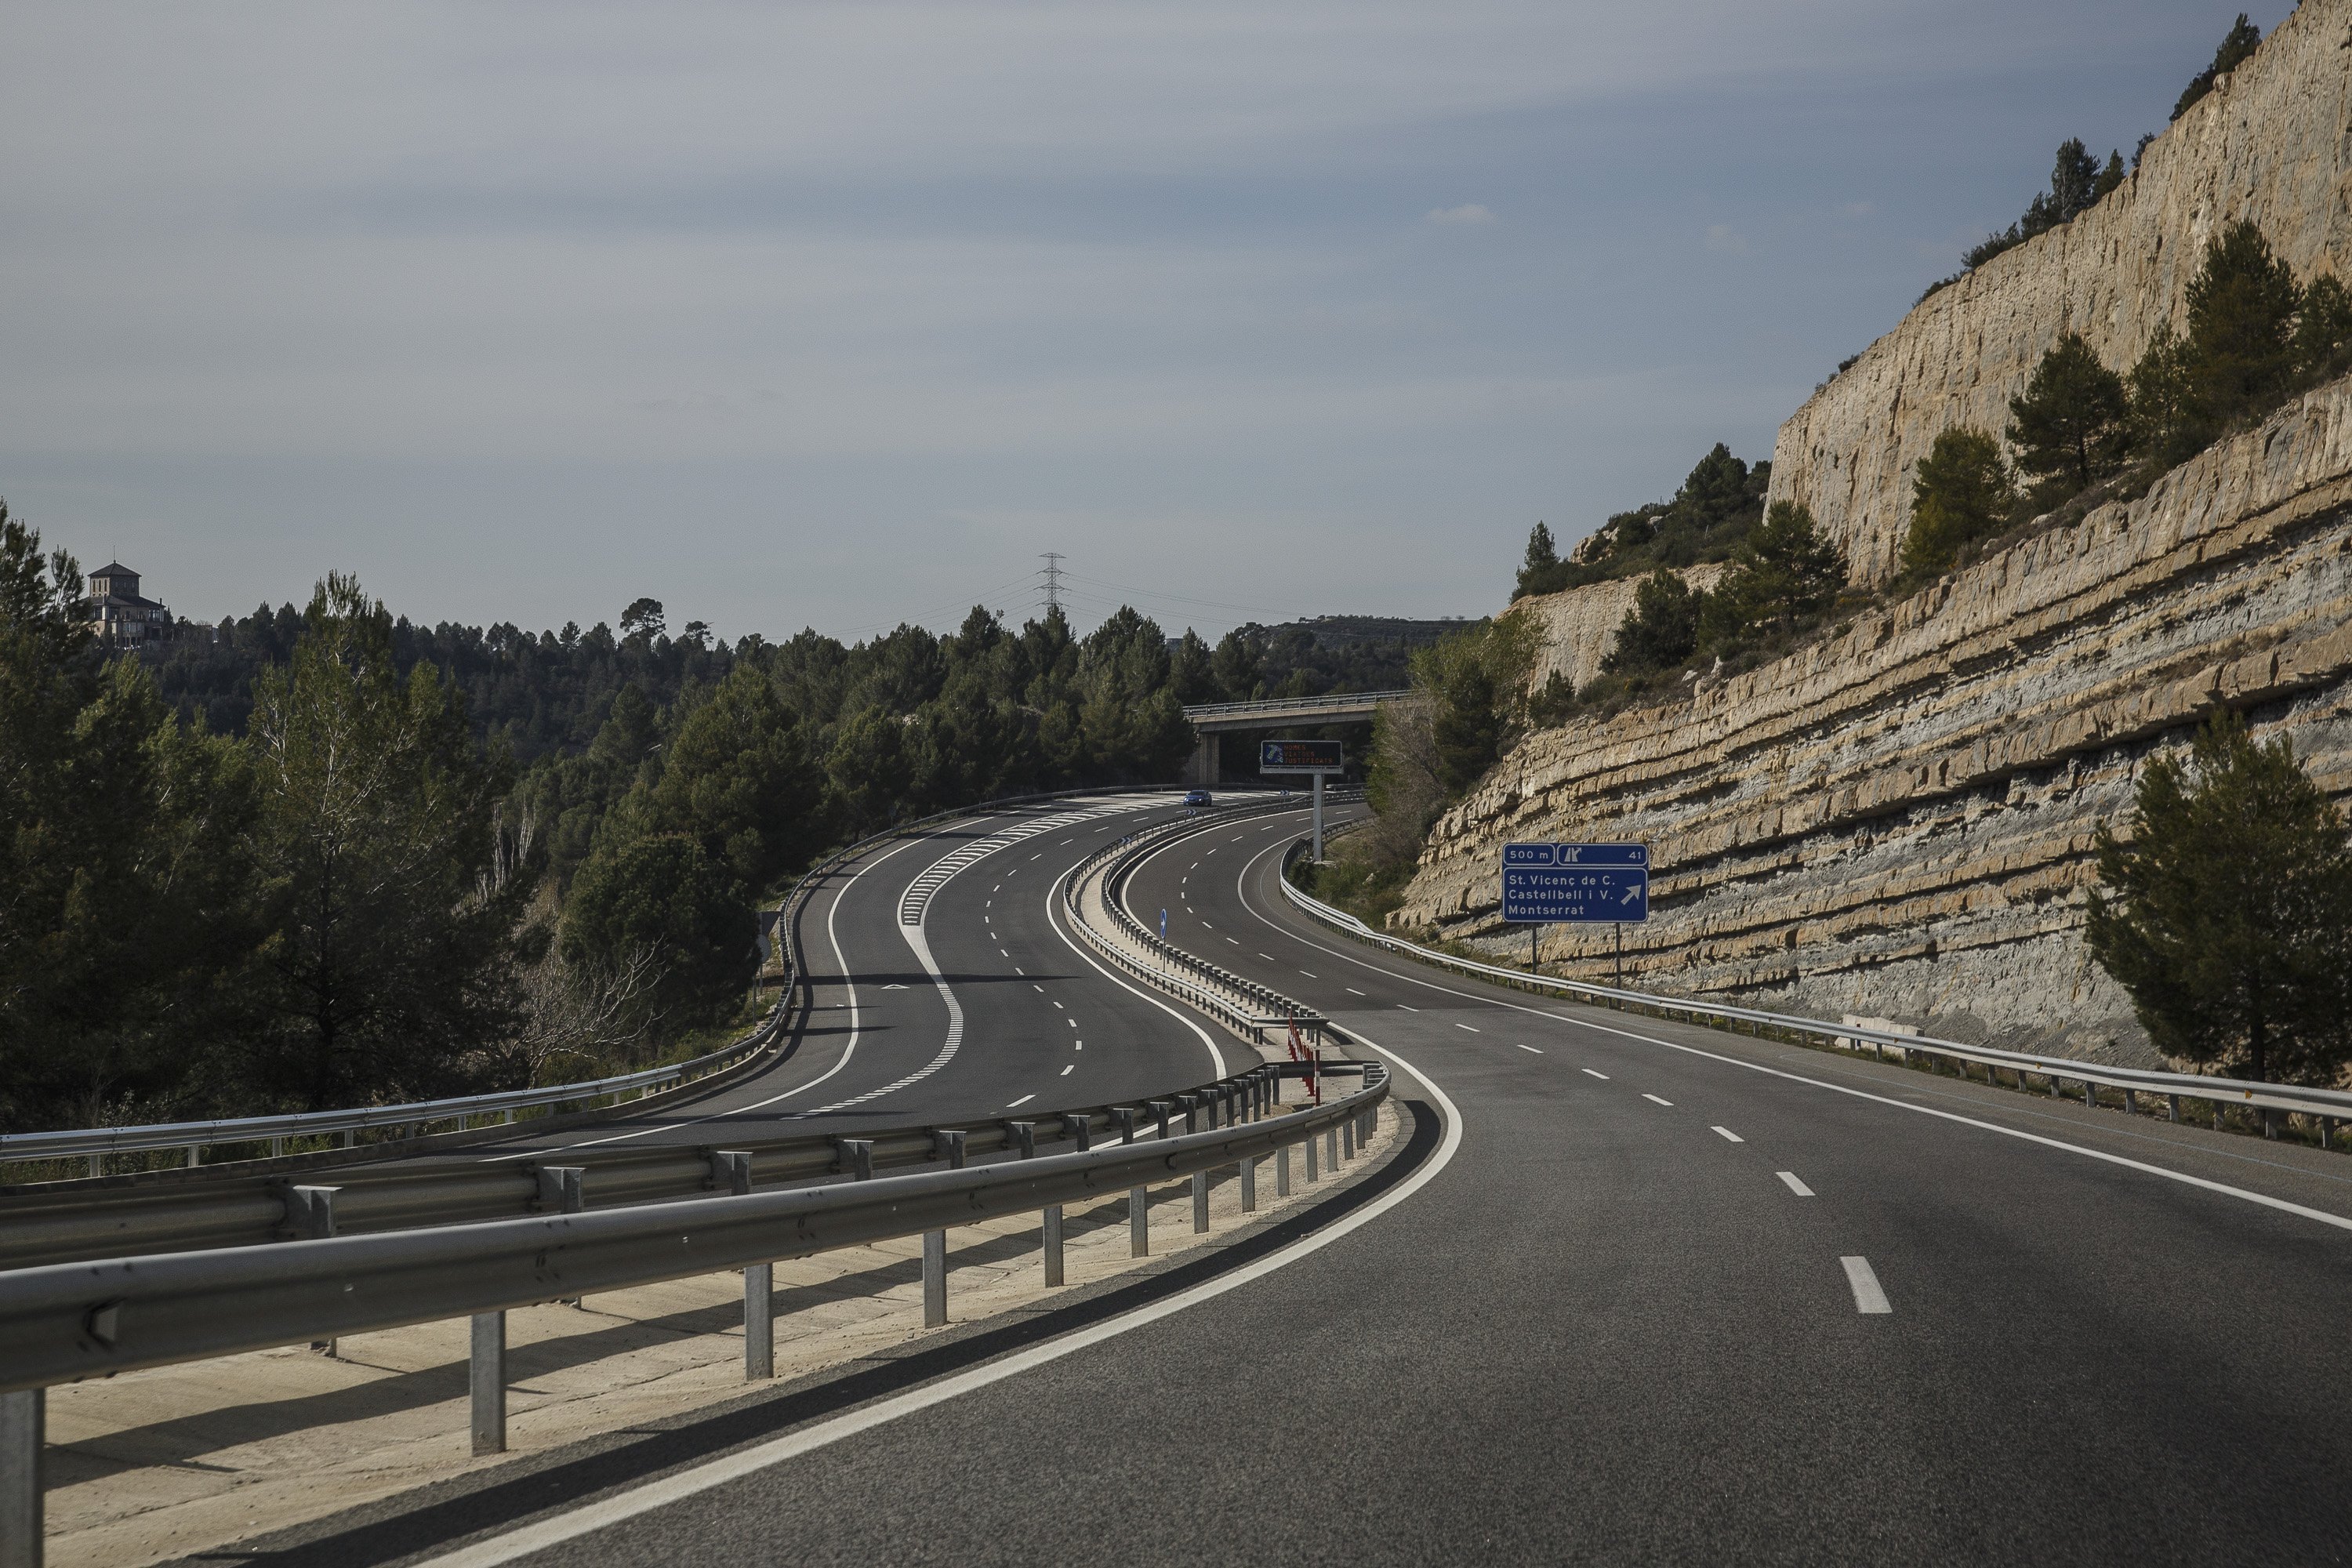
(1531,1050)
(1073,1023)
(1037,988)
(1467,1027)
(1023,973)
(1794,1185)
(1407,1008)
(1601,1076)
(1728,1134)
(1039,856)
(1354,991)
(1069,1070)
(1001,953)
(1867,1296)
(1235,943)
(1656,1101)
(894,985)
(1020,1102)
(988,903)
(1267,956)
(1308,972)
(1193,866)
(1078,1044)
(1206,926)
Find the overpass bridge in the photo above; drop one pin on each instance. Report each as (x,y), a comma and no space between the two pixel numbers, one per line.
(1213,720)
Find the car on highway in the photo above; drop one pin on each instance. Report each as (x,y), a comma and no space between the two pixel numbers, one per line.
(1196,797)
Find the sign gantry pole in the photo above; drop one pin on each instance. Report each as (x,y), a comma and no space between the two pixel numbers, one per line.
(1317,757)
(1319,819)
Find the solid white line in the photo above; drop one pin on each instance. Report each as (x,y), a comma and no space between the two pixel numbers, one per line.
(1794,1185)
(1729,1136)
(2301,1211)
(1867,1296)
(636,1500)
(1020,1102)
(1531,1050)
(1656,1101)
(1601,1076)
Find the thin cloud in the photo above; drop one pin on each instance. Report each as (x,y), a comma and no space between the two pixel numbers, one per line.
(1467,212)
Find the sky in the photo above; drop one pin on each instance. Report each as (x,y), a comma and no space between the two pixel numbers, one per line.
(841,316)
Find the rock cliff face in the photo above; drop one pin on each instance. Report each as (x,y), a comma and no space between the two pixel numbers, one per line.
(1579,624)
(1897,820)
(2272,142)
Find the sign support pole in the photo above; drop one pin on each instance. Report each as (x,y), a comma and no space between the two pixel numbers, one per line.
(1621,955)
(1318,819)
(1535,934)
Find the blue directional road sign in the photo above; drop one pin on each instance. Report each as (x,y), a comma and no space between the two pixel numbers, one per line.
(1549,884)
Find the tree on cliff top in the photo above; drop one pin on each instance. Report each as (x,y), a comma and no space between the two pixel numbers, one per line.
(2236,45)
(1784,572)
(2227,913)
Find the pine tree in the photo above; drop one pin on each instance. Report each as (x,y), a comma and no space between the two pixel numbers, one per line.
(2242,309)
(1961,493)
(2323,331)
(1659,631)
(2070,422)
(390,959)
(2226,910)
(2236,45)
(1784,570)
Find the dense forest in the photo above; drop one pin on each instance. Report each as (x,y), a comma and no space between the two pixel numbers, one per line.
(325,856)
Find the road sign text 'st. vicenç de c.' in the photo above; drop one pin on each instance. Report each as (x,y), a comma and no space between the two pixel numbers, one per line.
(1548,884)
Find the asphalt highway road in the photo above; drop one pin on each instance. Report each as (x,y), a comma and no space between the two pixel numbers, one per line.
(982,1007)
(1646,1293)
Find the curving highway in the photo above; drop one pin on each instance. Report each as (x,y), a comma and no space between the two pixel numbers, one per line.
(1631,1293)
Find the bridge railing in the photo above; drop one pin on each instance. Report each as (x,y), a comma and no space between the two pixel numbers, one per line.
(1337,700)
(2329,1106)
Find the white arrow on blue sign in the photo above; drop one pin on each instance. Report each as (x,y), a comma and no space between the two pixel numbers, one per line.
(1548,884)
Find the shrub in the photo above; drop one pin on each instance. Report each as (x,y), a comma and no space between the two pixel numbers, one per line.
(1662,628)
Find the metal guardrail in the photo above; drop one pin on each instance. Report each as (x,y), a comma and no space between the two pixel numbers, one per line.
(1248,1009)
(2327,1105)
(254,1209)
(66,1322)
(417,1117)
(1345,700)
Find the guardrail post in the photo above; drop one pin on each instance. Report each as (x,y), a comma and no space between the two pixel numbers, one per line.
(1200,1201)
(1249,1184)
(1024,1137)
(1191,1104)
(2131,1103)
(22,1413)
(1348,1139)
(731,1169)
(1332,1149)
(947,1143)
(310,1215)
(2327,1132)
(194,1151)
(2090,1093)
(562,1190)
(487,1374)
(2174,1100)
(935,1279)
(856,1157)
(1311,1174)
(1082,1129)
(1160,1107)
(1282,1171)
(1125,1116)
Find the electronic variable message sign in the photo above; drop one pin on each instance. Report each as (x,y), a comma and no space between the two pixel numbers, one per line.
(1299,757)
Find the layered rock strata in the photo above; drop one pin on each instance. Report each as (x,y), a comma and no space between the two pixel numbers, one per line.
(1897,820)
(1579,624)
(2272,142)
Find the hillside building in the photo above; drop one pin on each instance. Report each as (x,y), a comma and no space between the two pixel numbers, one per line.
(116,611)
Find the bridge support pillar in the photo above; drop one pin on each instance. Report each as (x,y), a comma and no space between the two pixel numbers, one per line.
(1207,761)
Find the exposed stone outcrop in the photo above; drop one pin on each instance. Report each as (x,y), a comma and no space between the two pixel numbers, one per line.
(1897,820)
(2272,142)
(1579,624)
